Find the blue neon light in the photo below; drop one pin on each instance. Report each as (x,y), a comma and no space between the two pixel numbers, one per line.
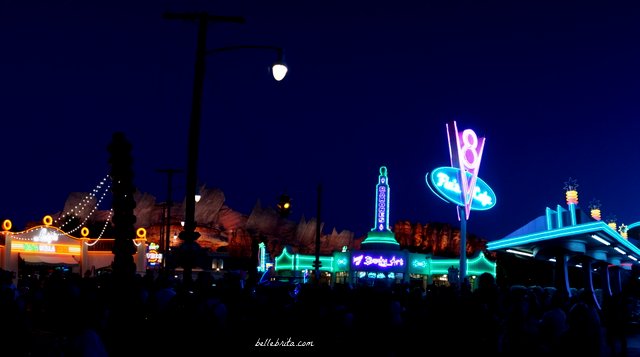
(381,223)
(443,181)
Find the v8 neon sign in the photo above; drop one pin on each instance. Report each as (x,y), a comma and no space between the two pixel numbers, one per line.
(465,151)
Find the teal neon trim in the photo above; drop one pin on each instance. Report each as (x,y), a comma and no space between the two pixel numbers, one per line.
(572,213)
(546,235)
(341,261)
(381,237)
(481,264)
(549,213)
(633,225)
(475,266)
(284,261)
(306,262)
(443,182)
(263,264)
(419,266)
(559,213)
(561,232)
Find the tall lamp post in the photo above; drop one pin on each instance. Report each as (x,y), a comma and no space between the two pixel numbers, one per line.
(189,248)
(165,244)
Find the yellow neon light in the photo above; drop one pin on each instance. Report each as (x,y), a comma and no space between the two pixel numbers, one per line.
(84,231)
(572,196)
(141,233)
(47,220)
(6,225)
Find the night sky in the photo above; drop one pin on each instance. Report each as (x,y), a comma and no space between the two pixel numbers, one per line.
(552,86)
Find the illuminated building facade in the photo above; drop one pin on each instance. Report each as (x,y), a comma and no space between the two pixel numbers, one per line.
(570,241)
(380,259)
(50,246)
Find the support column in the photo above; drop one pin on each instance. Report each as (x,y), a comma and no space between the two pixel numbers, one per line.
(589,292)
(10,259)
(562,275)
(616,280)
(141,257)
(606,281)
(463,245)
(7,251)
(84,256)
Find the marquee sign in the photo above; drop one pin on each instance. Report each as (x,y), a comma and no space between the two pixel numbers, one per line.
(460,184)
(443,181)
(378,261)
(153,257)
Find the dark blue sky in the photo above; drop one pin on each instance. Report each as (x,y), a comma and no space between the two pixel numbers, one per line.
(552,87)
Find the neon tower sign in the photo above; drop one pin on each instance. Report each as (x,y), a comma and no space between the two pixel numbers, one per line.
(465,152)
(380,236)
(382,202)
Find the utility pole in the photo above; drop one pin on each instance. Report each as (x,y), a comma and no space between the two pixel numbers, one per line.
(189,249)
(317,263)
(164,245)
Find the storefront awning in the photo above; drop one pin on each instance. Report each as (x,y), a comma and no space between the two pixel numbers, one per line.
(53,259)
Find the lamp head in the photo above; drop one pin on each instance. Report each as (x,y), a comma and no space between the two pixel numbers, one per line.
(279,70)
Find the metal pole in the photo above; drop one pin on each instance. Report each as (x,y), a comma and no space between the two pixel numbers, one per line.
(463,245)
(164,247)
(318,220)
(189,248)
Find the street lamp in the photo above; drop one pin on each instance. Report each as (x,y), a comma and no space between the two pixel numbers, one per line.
(189,250)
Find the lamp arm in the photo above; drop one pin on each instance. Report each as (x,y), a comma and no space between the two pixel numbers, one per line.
(239,47)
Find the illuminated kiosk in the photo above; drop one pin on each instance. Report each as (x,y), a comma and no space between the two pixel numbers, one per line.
(571,241)
(380,259)
(47,245)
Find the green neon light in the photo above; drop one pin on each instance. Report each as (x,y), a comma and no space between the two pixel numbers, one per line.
(381,238)
(341,261)
(306,262)
(28,247)
(284,261)
(475,266)
(481,264)
(262,254)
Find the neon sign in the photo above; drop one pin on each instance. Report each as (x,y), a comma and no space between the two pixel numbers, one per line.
(443,182)
(465,152)
(45,236)
(367,260)
(153,257)
(382,202)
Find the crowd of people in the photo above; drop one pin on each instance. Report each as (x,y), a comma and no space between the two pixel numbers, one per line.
(65,314)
